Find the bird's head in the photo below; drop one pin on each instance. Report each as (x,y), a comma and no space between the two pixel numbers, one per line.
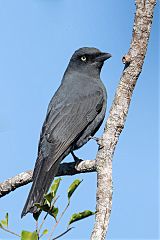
(88,60)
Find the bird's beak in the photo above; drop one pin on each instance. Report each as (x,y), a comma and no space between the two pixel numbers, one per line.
(103,56)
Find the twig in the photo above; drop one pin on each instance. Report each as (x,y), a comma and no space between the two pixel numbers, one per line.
(37,228)
(42,223)
(118,113)
(46,215)
(9,231)
(62,234)
(56,224)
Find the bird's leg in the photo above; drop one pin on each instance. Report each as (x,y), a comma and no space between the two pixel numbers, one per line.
(76,159)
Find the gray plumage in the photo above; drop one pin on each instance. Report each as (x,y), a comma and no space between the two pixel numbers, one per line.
(74,114)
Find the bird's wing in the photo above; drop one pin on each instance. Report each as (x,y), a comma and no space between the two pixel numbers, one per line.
(63,126)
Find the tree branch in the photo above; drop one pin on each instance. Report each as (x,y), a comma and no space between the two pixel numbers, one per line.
(118,113)
(24,178)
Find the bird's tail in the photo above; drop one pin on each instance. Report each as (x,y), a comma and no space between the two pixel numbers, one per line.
(40,186)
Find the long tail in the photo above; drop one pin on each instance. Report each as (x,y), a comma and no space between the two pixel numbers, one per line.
(40,186)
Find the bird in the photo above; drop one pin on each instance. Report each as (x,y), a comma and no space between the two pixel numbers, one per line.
(75,113)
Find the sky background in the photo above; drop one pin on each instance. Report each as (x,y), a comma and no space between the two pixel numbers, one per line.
(37,39)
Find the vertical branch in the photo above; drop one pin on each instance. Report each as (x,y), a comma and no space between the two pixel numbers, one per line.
(118,113)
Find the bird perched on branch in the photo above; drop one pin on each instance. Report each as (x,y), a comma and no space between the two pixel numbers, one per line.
(75,113)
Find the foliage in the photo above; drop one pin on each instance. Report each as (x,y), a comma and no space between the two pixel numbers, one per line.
(48,207)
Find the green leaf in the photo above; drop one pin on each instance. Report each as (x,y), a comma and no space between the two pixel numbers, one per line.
(48,198)
(26,235)
(73,187)
(1,226)
(44,207)
(45,232)
(81,215)
(54,212)
(34,236)
(55,186)
(6,217)
(29,235)
(5,221)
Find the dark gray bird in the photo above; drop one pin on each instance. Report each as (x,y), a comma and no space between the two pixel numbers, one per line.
(75,113)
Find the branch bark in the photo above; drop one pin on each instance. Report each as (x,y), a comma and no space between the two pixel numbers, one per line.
(118,113)
(24,178)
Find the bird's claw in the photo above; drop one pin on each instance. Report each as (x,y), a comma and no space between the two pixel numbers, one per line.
(98,140)
(94,138)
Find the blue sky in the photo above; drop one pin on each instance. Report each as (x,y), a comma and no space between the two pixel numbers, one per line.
(37,40)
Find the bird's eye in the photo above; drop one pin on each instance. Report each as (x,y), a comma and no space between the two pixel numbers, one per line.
(83,58)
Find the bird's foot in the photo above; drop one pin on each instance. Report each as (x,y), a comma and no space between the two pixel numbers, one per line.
(76,159)
(94,138)
(98,140)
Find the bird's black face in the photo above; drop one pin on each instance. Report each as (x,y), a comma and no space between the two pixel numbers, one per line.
(88,60)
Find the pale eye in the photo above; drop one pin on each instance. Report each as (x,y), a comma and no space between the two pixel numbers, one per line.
(83,58)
